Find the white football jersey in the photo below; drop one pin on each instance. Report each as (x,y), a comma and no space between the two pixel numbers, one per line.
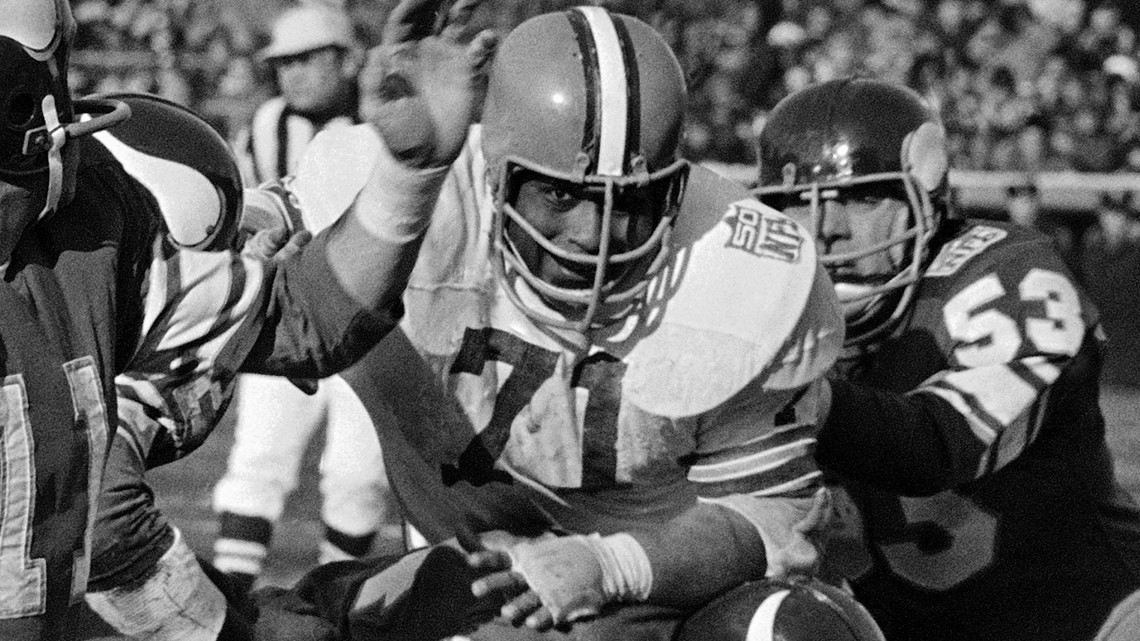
(705,391)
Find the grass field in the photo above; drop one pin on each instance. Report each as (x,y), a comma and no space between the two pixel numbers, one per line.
(184,488)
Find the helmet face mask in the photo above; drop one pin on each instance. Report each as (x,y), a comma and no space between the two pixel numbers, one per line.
(863,165)
(592,103)
(602,284)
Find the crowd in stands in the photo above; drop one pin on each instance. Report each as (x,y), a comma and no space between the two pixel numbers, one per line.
(1023,84)
(1027,86)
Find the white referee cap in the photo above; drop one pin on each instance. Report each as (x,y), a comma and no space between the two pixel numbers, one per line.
(309,27)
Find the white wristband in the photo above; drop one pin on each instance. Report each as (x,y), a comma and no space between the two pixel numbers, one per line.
(351,166)
(626,573)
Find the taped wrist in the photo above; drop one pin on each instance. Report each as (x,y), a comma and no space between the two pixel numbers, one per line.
(353,167)
(178,602)
(405,196)
(626,573)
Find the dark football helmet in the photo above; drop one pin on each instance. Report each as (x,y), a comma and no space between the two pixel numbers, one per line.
(797,609)
(186,165)
(594,99)
(854,136)
(35,102)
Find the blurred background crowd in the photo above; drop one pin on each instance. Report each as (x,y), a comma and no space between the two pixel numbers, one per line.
(1023,84)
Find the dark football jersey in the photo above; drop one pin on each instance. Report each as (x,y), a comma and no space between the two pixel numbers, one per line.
(1037,541)
(58,326)
(96,290)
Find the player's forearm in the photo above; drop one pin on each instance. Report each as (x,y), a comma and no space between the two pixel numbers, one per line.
(911,444)
(372,249)
(699,554)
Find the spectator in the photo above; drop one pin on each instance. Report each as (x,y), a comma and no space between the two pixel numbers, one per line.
(1012,38)
(1109,262)
(1043,43)
(316,57)
(1023,204)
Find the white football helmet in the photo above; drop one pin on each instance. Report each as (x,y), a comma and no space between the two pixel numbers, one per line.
(595,99)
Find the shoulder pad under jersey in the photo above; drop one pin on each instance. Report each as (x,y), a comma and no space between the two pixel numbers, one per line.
(980,246)
(742,297)
(185,164)
(335,167)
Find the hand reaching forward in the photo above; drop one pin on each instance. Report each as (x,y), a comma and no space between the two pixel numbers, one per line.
(553,580)
(423,86)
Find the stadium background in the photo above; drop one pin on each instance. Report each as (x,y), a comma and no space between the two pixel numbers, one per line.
(1041,97)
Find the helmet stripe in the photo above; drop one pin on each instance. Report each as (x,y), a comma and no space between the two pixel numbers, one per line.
(612,87)
(585,42)
(762,627)
(633,95)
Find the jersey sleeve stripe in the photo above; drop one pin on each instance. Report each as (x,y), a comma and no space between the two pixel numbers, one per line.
(779,437)
(991,397)
(758,463)
(196,303)
(793,474)
(209,281)
(1041,371)
(1001,405)
(983,425)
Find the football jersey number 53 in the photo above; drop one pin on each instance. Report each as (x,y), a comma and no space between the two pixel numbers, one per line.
(991,336)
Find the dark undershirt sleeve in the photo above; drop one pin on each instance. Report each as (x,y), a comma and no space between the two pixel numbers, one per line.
(315,328)
(908,444)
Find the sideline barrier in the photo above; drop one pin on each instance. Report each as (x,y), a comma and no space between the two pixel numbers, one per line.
(1060,192)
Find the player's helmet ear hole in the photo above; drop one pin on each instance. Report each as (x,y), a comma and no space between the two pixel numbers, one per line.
(19,111)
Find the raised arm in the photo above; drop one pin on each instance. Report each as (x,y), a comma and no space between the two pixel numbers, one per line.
(379,181)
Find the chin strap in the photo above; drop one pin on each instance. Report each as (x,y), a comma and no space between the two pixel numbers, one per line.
(52,137)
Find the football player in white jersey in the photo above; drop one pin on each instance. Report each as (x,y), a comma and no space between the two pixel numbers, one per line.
(601,404)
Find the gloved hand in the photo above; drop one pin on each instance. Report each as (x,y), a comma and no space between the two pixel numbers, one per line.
(422,86)
(561,579)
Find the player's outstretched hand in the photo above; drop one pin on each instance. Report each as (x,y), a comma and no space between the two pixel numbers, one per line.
(548,581)
(423,85)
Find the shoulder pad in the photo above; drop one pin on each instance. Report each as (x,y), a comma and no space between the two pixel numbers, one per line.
(727,309)
(990,241)
(334,169)
(185,164)
(962,248)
